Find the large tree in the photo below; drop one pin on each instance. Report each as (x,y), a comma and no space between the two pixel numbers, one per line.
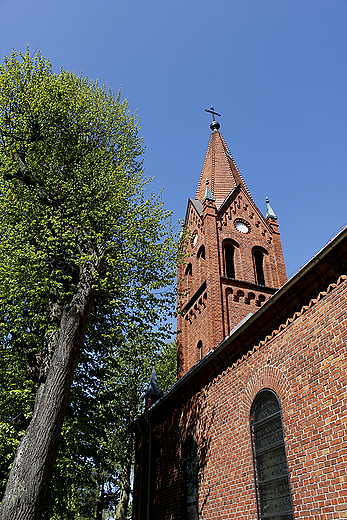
(92,475)
(81,247)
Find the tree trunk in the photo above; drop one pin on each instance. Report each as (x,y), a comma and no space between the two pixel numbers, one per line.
(125,485)
(34,461)
(100,500)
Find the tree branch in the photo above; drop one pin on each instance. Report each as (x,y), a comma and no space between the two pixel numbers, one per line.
(24,175)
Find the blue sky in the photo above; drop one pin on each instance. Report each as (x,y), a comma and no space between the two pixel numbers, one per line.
(275,70)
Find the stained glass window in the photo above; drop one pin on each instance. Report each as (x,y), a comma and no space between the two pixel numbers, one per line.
(190,482)
(270,463)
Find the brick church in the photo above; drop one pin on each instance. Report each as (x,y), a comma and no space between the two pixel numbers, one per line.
(256,425)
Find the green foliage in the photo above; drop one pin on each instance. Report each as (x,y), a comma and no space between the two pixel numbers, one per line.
(72,190)
(166,366)
(82,194)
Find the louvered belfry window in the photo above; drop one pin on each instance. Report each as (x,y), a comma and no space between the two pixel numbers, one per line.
(274,500)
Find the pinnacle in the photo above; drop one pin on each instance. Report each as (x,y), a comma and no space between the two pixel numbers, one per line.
(208,193)
(153,387)
(269,211)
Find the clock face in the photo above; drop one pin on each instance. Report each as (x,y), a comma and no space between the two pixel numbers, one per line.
(194,239)
(241,226)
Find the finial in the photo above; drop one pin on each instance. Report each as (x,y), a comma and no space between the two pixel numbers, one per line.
(269,211)
(214,125)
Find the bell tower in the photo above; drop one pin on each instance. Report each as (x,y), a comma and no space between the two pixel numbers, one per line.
(234,260)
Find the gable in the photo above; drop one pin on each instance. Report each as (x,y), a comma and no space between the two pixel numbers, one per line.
(240,205)
(194,212)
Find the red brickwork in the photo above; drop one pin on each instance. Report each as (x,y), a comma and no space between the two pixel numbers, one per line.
(212,310)
(220,170)
(294,343)
(304,362)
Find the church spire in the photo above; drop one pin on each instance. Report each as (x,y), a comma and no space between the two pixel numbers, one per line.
(153,387)
(153,393)
(220,170)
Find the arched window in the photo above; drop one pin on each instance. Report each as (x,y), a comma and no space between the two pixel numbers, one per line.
(190,481)
(274,499)
(200,352)
(258,260)
(201,252)
(229,261)
(189,270)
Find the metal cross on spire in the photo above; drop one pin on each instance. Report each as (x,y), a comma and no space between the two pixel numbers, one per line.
(214,125)
(211,111)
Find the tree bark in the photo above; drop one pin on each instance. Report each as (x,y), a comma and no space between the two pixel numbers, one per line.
(125,484)
(34,461)
(100,502)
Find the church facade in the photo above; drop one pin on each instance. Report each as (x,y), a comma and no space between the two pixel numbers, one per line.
(256,425)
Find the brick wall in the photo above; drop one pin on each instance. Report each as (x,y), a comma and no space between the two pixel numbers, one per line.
(305,363)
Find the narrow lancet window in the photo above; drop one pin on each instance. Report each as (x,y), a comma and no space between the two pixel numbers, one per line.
(189,270)
(229,261)
(269,457)
(258,259)
(201,252)
(190,481)
(200,352)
